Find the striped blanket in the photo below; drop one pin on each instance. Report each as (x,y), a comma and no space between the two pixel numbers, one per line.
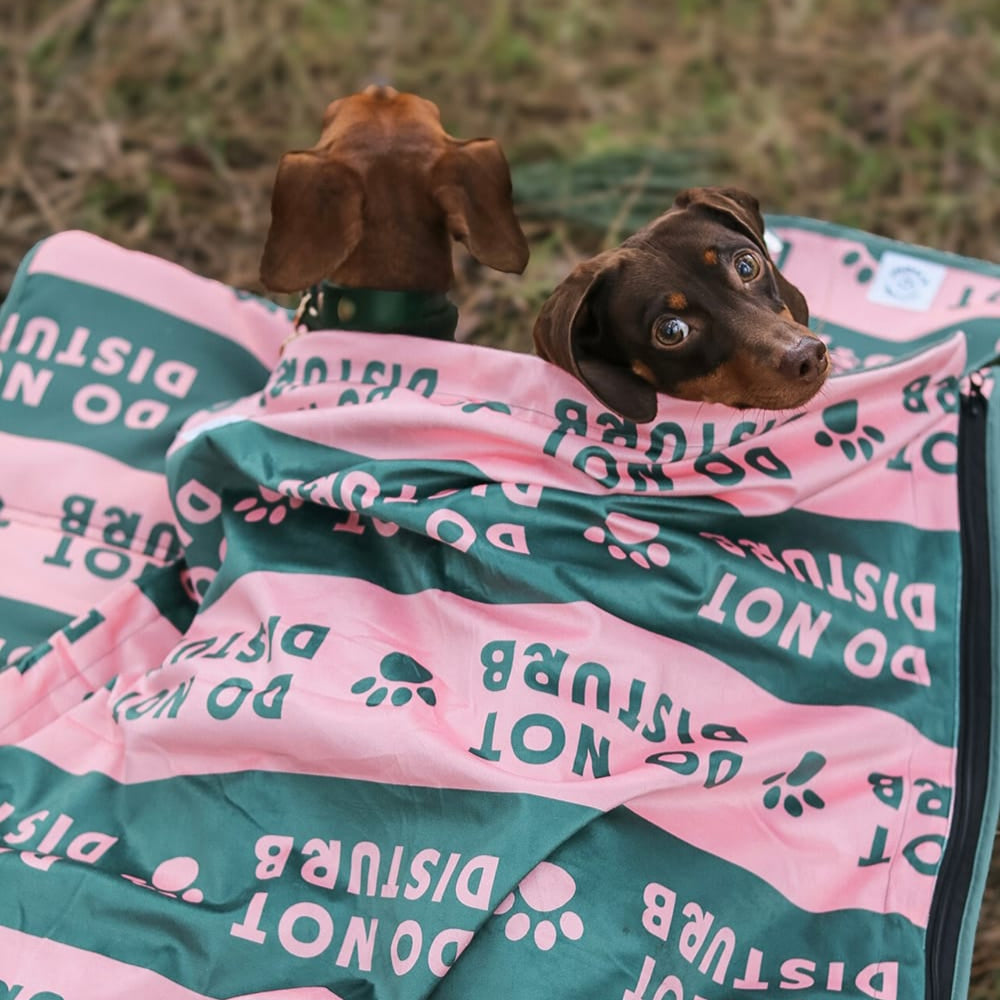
(391,668)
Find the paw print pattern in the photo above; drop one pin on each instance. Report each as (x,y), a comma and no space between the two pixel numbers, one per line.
(843,358)
(629,538)
(405,674)
(863,274)
(806,769)
(271,505)
(544,890)
(174,878)
(842,420)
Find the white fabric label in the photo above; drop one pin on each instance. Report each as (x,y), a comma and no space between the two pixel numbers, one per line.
(906,282)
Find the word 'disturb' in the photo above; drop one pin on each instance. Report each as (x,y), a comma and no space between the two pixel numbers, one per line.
(44,348)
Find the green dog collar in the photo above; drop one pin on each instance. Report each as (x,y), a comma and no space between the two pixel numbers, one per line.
(333,307)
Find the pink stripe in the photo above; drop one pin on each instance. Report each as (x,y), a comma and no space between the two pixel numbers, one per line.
(64,573)
(166,286)
(325,727)
(911,479)
(41,967)
(816,477)
(133,635)
(90,487)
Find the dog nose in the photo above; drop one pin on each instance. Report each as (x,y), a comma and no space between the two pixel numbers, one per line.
(805,360)
(381,90)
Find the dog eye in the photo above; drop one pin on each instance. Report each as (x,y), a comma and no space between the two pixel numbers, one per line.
(747,265)
(670,331)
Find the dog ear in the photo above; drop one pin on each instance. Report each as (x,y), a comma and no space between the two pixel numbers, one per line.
(741,207)
(743,212)
(471,185)
(316,221)
(792,298)
(569,333)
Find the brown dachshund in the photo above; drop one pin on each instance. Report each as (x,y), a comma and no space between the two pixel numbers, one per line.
(691,306)
(377,201)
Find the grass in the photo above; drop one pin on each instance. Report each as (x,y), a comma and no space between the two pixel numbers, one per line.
(158,124)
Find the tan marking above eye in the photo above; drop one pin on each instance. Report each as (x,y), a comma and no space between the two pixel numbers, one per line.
(677,300)
(710,256)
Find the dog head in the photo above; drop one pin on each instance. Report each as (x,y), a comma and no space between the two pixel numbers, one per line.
(376,202)
(692,306)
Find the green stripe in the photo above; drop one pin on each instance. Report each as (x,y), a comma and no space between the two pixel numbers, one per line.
(162,585)
(217,820)
(132,421)
(564,566)
(615,861)
(23,624)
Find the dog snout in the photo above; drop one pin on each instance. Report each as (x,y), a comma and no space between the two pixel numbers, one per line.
(805,360)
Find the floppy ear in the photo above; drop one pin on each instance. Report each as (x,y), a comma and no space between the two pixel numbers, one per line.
(571,332)
(792,298)
(316,221)
(743,211)
(742,208)
(471,185)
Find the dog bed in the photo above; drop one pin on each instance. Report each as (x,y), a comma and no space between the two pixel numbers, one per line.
(384,667)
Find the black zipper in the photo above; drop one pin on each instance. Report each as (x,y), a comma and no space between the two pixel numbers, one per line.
(954,881)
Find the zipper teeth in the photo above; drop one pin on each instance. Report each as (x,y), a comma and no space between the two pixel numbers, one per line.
(972,750)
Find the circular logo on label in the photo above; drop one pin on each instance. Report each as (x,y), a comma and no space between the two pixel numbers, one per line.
(905,283)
